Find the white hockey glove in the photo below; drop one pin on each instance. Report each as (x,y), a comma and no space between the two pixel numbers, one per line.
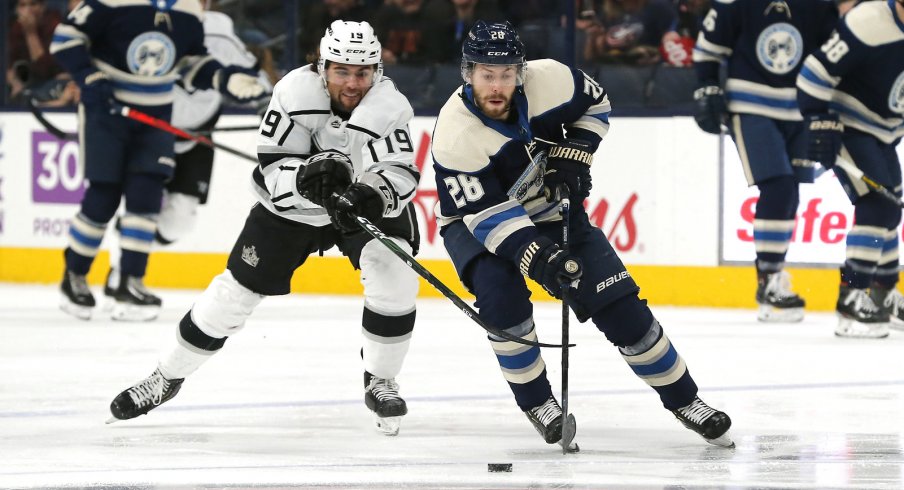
(235,82)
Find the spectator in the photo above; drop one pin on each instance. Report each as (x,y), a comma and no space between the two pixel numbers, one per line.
(30,63)
(407,29)
(538,26)
(460,16)
(678,43)
(317,16)
(631,31)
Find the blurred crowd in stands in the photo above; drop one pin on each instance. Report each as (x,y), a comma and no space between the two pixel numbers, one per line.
(414,33)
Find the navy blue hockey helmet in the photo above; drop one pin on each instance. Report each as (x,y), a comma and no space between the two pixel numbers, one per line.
(491,44)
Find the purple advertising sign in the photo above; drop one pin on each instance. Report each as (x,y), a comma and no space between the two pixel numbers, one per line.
(57,176)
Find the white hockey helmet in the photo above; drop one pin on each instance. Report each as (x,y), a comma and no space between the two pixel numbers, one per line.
(351,43)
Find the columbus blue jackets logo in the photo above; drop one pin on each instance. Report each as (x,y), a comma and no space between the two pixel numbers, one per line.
(780,48)
(151,54)
(896,97)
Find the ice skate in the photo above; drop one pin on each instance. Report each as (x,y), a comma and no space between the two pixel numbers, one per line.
(145,396)
(547,419)
(777,303)
(858,315)
(710,423)
(134,302)
(890,302)
(76,298)
(382,398)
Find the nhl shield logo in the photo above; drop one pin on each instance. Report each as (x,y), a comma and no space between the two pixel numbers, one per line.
(249,256)
(151,54)
(780,48)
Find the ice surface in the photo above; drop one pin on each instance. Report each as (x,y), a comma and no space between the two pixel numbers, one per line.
(281,405)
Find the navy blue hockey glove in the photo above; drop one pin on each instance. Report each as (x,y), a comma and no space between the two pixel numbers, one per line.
(358,200)
(97,92)
(549,265)
(824,139)
(241,84)
(325,173)
(569,163)
(711,112)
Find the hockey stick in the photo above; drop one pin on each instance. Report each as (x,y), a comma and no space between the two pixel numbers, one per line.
(569,424)
(876,187)
(237,128)
(36,112)
(162,125)
(375,232)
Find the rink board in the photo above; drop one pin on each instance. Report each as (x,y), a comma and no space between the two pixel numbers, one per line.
(679,221)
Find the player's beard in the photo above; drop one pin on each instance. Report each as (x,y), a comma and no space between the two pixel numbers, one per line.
(495,110)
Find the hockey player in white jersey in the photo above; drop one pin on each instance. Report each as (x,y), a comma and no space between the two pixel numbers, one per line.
(333,144)
(196,111)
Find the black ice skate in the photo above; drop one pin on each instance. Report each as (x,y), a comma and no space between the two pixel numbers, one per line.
(145,396)
(776,300)
(134,302)
(858,315)
(547,419)
(890,302)
(76,299)
(710,423)
(382,398)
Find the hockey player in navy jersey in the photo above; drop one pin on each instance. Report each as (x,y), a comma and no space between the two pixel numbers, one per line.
(130,53)
(763,43)
(511,131)
(333,144)
(851,91)
(198,112)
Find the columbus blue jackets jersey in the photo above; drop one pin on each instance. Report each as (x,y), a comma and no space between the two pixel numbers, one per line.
(142,45)
(859,72)
(489,174)
(764,43)
(300,122)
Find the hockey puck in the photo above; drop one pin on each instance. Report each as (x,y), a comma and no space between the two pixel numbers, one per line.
(499,467)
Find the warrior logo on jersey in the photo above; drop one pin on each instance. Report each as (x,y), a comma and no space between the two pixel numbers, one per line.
(896,97)
(780,48)
(151,54)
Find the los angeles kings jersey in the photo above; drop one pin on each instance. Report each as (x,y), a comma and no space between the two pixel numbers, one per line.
(299,122)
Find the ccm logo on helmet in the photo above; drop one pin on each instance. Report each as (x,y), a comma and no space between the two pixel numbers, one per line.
(357,51)
(497,53)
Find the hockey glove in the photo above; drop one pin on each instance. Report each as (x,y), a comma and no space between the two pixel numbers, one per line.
(549,265)
(569,163)
(711,111)
(97,92)
(824,139)
(358,200)
(325,173)
(239,83)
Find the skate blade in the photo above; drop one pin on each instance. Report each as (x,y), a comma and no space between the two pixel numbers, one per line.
(724,440)
(569,429)
(852,329)
(388,426)
(771,314)
(107,305)
(111,420)
(132,313)
(80,312)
